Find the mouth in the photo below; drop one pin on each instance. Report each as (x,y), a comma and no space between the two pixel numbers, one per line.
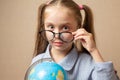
(58,43)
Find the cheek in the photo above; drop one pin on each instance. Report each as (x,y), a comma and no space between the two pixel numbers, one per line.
(49,36)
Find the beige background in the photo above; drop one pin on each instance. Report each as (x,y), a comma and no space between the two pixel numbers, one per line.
(17,33)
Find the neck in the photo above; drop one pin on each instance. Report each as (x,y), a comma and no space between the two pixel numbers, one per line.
(58,55)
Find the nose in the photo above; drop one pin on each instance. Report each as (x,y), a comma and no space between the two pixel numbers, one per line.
(57,35)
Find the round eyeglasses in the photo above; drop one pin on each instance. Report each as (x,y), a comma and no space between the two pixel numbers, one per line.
(50,35)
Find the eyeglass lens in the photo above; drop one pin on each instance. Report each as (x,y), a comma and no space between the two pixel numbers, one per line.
(64,36)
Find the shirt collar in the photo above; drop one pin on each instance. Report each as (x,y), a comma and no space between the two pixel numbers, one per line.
(68,61)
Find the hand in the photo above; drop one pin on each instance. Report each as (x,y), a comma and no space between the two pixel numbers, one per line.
(86,39)
(88,43)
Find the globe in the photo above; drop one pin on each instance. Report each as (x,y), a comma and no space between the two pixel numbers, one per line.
(47,71)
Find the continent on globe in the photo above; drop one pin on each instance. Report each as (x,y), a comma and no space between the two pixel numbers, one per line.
(46,71)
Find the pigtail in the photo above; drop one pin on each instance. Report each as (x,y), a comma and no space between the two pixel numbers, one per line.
(40,44)
(88,22)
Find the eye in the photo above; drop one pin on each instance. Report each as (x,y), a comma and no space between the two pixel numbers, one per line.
(50,27)
(66,28)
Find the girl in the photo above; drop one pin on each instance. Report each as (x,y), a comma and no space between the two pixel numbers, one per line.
(63,38)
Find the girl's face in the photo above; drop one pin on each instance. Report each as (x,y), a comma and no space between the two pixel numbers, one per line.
(59,19)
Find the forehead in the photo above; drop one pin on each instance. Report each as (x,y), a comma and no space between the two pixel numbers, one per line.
(58,12)
(57,8)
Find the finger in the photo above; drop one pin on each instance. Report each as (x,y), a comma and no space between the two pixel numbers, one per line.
(74,33)
(84,37)
(81,38)
(80,33)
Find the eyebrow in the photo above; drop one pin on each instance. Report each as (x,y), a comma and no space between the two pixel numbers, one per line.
(65,23)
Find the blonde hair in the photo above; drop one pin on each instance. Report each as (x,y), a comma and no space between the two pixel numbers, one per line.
(41,44)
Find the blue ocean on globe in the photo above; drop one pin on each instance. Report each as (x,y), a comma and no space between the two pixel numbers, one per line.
(47,71)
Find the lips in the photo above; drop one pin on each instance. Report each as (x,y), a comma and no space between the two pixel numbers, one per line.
(58,43)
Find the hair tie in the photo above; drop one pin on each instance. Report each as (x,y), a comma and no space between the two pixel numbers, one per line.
(81,7)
